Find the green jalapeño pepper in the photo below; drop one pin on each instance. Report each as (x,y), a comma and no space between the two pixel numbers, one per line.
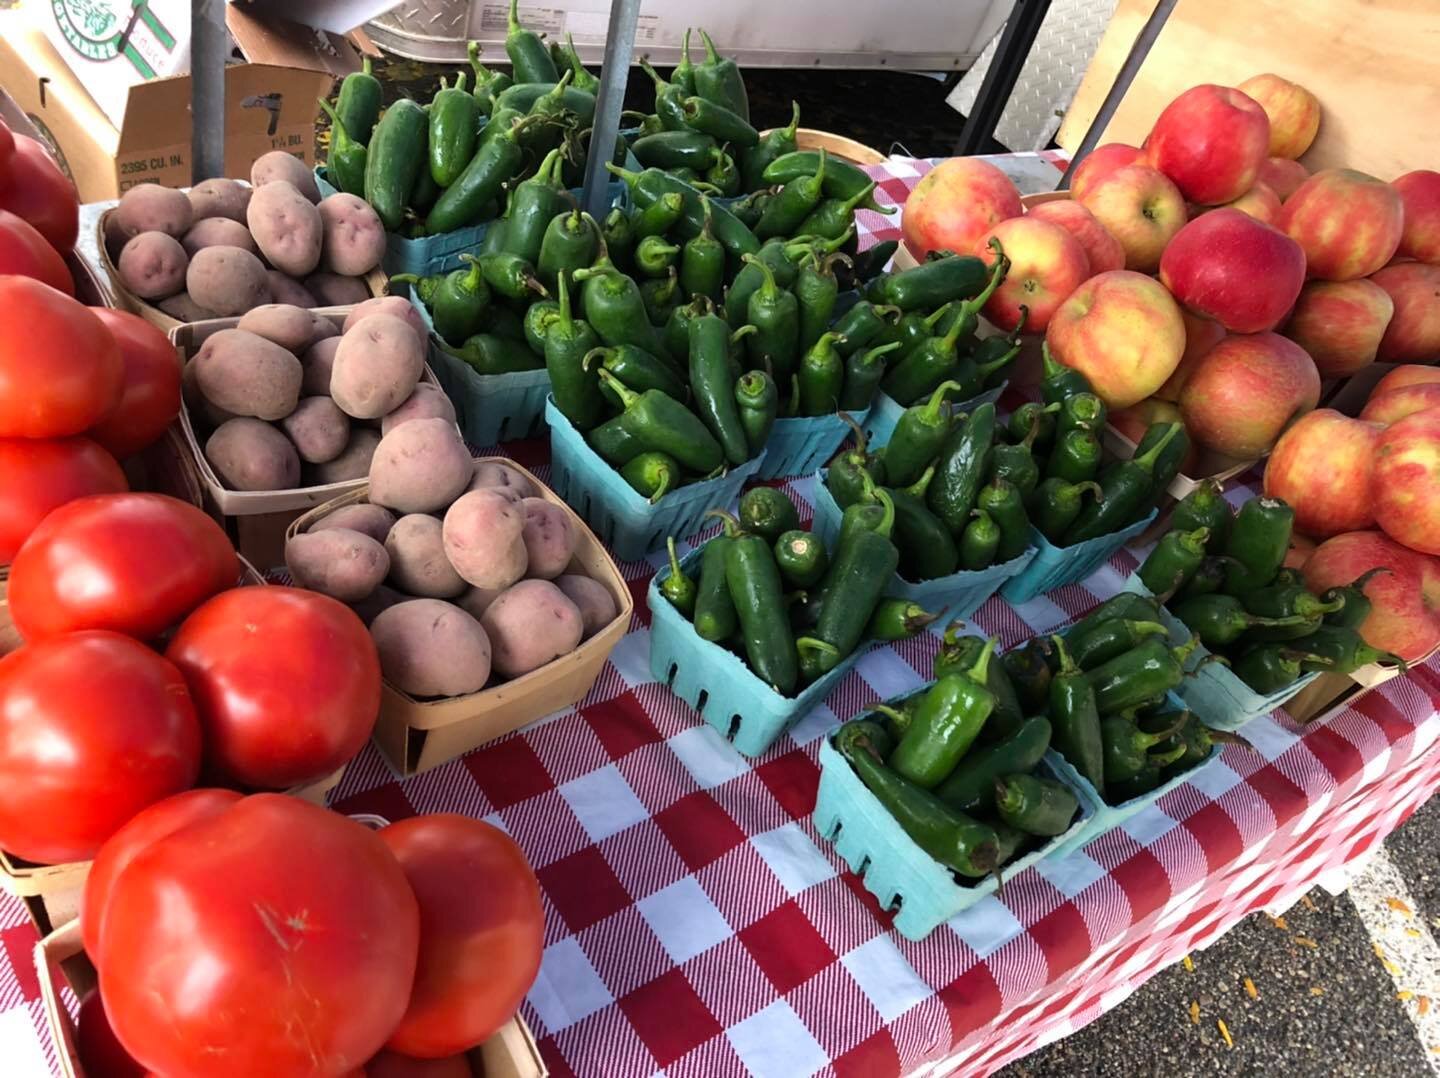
(768,512)
(772,144)
(1055,505)
(454,127)
(802,557)
(657,218)
(661,298)
(863,372)
(852,468)
(713,383)
(1357,604)
(676,587)
(954,839)
(510,276)
(821,376)
(758,402)
(1125,604)
(663,424)
(1034,805)
(487,353)
(1001,499)
(1269,668)
(1126,746)
(816,291)
(759,595)
(927,549)
(574,387)
(1205,507)
(1016,464)
(459,303)
(946,725)
(1099,642)
(863,325)
(618,234)
(842,180)
(1288,600)
(702,262)
(1028,668)
(1340,649)
(1037,415)
(654,255)
(536,202)
(919,434)
(1081,411)
(784,213)
(637,369)
(897,619)
(723,173)
(1208,578)
(495,163)
(1173,561)
(583,78)
(1075,718)
(345,163)
(1218,620)
(834,217)
(959,653)
(652,475)
(971,786)
(718,80)
(488,84)
(395,158)
(684,74)
(963,464)
(539,317)
(1060,381)
(614,306)
(653,184)
(1076,458)
(669,102)
(979,542)
(715,616)
(859,573)
(1127,487)
(358,103)
(1172,455)
(931,284)
(1148,670)
(723,124)
(774,313)
(528,55)
(1258,541)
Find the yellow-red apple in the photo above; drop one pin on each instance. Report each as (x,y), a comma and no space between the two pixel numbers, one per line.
(956,203)
(1299,551)
(1134,421)
(1322,466)
(1239,271)
(1407,481)
(1123,331)
(1413,334)
(1410,374)
(1246,391)
(1404,613)
(1141,208)
(1101,248)
(1210,140)
(1420,192)
(1260,202)
(1293,111)
(1102,161)
(1340,324)
(1282,176)
(1201,335)
(1348,223)
(1395,404)
(1046,265)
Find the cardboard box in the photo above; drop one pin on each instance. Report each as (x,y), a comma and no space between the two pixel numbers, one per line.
(270,104)
(61,962)
(418,734)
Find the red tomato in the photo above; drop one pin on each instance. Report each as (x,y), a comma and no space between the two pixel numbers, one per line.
(134,563)
(150,396)
(394,1065)
(101,1055)
(478,956)
(25,252)
(94,726)
(39,192)
(37,475)
(286,683)
(60,369)
(274,939)
(7,153)
(144,828)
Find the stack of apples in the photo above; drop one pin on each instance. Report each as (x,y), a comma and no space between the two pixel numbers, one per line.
(1206,276)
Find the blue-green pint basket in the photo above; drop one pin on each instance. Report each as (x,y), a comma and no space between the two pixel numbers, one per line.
(625,522)
(719,684)
(1056,566)
(799,446)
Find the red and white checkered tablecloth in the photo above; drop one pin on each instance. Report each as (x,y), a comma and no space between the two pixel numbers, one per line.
(696,924)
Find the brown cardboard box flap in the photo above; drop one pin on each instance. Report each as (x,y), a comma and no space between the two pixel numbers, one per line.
(267,39)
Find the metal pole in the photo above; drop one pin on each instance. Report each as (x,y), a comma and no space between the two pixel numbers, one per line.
(614,74)
(209,46)
(999,82)
(1126,75)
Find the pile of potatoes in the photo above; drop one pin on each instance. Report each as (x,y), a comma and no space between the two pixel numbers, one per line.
(461,570)
(224,247)
(286,400)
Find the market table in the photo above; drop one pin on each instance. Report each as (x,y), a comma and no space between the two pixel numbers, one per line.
(697,925)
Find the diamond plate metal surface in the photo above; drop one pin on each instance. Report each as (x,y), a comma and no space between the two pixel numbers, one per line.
(425,29)
(1063,49)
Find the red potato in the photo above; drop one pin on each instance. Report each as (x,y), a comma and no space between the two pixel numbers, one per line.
(277,166)
(427,402)
(493,475)
(217,232)
(247,375)
(287,228)
(343,564)
(250,454)
(354,238)
(319,429)
(398,306)
(227,280)
(418,565)
(429,647)
(153,265)
(220,198)
(319,363)
(284,289)
(549,538)
(377,365)
(148,207)
(289,326)
(593,599)
(332,290)
(352,464)
(530,625)
(485,538)
(372,520)
(420,467)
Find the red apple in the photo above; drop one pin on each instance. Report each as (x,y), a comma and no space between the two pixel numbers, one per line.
(1413,335)
(1404,615)
(1340,324)
(1123,331)
(1407,481)
(1046,265)
(1232,268)
(1140,208)
(1348,223)
(1102,250)
(956,203)
(1201,335)
(1322,466)
(1293,111)
(1395,404)
(1410,374)
(1299,551)
(1102,161)
(1282,176)
(1210,140)
(1260,202)
(1134,421)
(1246,391)
(1420,192)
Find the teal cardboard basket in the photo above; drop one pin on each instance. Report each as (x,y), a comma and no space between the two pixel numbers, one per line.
(902,876)
(1055,566)
(959,594)
(886,411)
(625,522)
(719,684)
(799,446)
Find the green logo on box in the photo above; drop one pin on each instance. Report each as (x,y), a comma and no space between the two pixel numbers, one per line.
(94,31)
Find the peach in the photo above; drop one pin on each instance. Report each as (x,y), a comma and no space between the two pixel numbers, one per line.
(1293,111)
(1201,335)
(1340,324)
(1134,421)
(1260,202)
(1102,250)
(1322,466)
(1141,208)
(1348,223)
(1246,391)
(1046,265)
(1409,374)
(1210,140)
(956,203)
(1395,404)
(1282,176)
(1239,271)
(1404,614)
(1102,161)
(1123,331)
(1407,481)
(1413,335)
(1420,192)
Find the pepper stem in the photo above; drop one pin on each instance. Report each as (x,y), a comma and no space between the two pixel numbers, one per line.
(1364,578)
(628,397)
(590,356)
(899,718)
(1020,325)
(793,125)
(1165,759)
(733,528)
(930,410)
(566,322)
(952,633)
(851,203)
(810,643)
(819,175)
(887,521)
(871,357)
(514,26)
(987,369)
(1067,664)
(675,570)
(711,56)
(741,333)
(981,669)
(1053,367)
(917,489)
(861,443)
(667,481)
(768,286)
(1151,455)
